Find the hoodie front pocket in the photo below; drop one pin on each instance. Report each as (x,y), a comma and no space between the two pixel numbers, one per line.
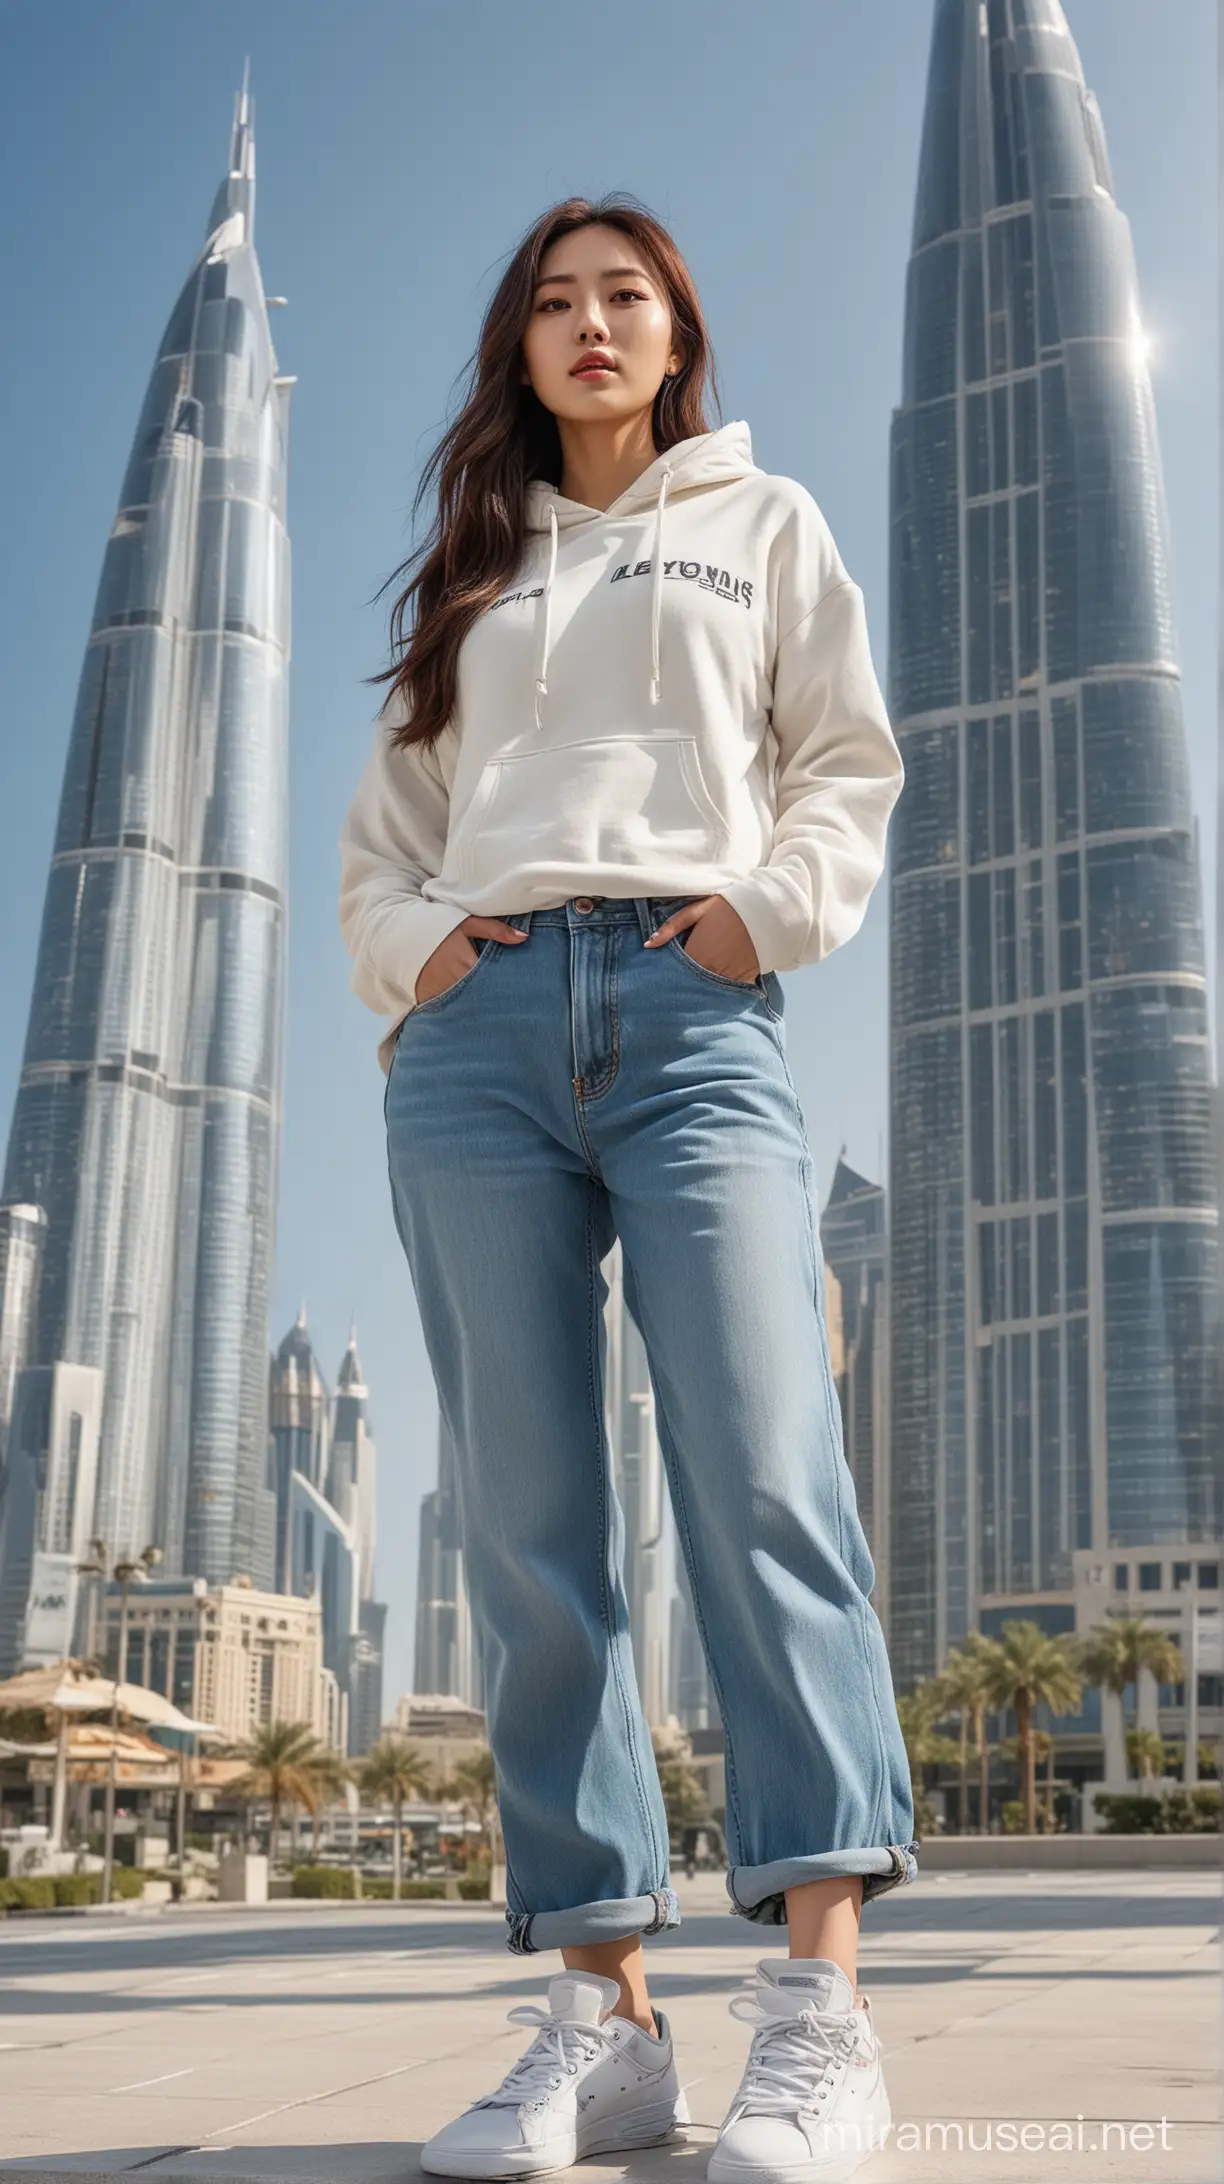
(609,804)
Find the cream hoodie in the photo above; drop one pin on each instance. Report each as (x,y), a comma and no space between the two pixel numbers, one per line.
(674,696)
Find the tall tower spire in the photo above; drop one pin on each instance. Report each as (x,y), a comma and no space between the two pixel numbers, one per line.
(236,194)
(147,1118)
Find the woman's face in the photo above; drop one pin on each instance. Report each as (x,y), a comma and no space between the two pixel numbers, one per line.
(595,293)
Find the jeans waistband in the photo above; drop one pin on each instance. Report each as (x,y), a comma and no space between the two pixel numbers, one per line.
(604,910)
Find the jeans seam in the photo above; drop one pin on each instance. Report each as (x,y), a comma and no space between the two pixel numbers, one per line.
(668,1442)
(597,1405)
(512,1886)
(878,1825)
(587,1147)
(833,1418)
(597,1091)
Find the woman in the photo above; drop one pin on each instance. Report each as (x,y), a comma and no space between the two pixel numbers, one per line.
(635,762)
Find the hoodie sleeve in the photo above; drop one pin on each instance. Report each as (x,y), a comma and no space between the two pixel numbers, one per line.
(392,841)
(839,773)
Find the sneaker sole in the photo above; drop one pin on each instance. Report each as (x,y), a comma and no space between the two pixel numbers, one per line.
(832,2168)
(641,2127)
(644,2127)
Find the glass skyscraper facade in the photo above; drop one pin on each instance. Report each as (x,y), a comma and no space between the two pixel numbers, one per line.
(1052,1194)
(147,1120)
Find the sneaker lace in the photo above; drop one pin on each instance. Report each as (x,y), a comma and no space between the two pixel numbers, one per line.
(792,2059)
(558,2050)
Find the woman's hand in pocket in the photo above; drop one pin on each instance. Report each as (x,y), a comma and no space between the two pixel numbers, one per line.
(455,955)
(723,942)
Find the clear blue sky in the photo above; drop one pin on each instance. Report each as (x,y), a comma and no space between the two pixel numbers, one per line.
(401,150)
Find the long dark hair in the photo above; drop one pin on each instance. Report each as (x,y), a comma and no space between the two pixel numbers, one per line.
(502,438)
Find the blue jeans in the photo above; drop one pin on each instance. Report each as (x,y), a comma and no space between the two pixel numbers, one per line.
(567,1089)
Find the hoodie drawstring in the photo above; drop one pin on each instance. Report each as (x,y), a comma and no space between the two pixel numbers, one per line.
(656,602)
(546,615)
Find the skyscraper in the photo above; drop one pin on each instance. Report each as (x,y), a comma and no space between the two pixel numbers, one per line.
(147,1120)
(1052,1199)
(352,1463)
(325,1564)
(299,1430)
(45,1509)
(323,1523)
(22,1231)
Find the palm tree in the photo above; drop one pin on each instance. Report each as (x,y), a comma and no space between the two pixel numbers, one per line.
(918,1711)
(393,1771)
(1112,1657)
(965,1682)
(1043,1748)
(280,1758)
(1033,1669)
(1145,1752)
(331,1775)
(1044,1753)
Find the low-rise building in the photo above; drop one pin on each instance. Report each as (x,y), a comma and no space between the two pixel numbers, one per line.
(1177,1588)
(229,1655)
(445,1729)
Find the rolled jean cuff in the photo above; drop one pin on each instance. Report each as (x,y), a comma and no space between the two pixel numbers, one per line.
(759,1892)
(612,1920)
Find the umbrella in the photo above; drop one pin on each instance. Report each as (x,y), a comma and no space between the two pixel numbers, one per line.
(66,1688)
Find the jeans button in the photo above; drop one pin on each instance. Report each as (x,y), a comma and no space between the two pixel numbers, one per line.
(583,902)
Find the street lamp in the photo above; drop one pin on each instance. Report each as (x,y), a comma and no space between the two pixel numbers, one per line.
(125,1573)
(94,1567)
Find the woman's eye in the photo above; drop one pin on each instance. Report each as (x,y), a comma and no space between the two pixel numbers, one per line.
(549,301)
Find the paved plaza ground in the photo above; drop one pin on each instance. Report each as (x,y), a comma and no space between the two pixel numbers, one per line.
(310,2043)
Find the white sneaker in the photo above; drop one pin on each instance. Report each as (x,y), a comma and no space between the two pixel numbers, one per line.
(588,2084)
(812,2102)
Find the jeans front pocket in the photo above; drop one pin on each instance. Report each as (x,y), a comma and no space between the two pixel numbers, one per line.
(484,944)
(764,988)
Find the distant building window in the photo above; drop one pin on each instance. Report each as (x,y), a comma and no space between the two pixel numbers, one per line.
(1181,1576)
(1211,1690)
(1149,1576)
(1209,1576)
(1121,1577)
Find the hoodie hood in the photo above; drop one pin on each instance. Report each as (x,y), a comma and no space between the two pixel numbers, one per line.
(708,458)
